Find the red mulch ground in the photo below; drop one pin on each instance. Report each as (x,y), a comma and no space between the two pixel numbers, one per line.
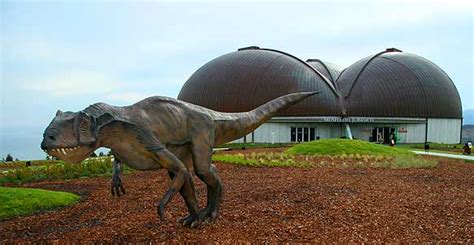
(270,205)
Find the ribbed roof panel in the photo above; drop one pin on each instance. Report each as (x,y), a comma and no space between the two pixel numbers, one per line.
(395,84)
(243,80)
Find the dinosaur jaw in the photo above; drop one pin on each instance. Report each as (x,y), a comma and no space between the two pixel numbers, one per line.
(74,154)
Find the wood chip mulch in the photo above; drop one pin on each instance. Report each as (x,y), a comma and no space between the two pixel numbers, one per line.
(338,205)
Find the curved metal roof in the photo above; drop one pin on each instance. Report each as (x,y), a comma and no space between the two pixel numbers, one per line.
(396,84)
(243,80)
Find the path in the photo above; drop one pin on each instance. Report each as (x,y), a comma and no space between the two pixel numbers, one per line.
(445,155)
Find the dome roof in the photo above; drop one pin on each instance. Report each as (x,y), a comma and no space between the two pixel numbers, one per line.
(396,84)
(328,69)
(243,80)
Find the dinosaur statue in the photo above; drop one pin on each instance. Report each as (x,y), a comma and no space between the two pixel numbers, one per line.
(160,132)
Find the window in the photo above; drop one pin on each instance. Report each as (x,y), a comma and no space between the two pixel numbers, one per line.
(293,134)
(302,134)
(312,134)
(306,134)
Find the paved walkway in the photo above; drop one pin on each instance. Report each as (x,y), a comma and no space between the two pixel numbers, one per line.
(465,157)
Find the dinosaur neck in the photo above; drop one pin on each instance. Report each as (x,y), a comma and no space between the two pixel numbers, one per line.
(110,136)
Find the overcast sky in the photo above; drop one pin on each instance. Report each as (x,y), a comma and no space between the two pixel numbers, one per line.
(67,55)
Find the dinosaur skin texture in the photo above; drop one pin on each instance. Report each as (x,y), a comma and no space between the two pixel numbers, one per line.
(160,132)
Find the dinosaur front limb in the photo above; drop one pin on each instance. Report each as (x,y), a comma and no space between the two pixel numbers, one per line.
(181,181)
(117,187)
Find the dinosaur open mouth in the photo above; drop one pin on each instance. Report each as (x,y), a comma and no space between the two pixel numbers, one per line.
(63,151)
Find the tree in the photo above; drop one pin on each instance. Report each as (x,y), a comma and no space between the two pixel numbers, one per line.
(16,159)
(9,158)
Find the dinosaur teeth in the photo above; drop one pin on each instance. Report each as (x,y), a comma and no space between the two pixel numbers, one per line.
(63,151)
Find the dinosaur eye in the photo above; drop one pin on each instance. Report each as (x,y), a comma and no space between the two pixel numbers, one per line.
(83,125)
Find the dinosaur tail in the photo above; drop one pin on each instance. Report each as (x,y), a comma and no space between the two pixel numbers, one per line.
(232,126)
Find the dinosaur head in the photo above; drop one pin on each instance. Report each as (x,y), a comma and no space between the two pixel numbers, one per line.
(71,136)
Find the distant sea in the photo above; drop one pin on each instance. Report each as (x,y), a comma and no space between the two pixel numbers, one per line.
(21,143)
(24,143)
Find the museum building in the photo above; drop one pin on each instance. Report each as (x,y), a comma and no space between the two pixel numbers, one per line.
(389,94)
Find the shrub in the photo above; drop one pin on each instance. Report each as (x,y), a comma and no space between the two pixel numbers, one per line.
(9,158)
(57,170)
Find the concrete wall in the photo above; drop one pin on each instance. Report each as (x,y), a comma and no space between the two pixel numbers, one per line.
(281,132)
(407,133)
(439,131)
(415,133)
(442,130)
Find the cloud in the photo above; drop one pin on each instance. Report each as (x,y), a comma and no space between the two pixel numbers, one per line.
(75,83)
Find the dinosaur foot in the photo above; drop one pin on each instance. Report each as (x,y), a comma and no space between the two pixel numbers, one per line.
(117,190)
(208,215)
(192,220)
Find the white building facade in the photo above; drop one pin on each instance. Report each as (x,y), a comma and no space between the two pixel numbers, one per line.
(378,130)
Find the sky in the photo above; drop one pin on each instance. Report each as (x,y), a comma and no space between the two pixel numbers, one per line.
(70,54)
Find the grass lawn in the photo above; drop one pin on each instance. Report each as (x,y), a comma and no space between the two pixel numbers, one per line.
(435,147)
(48,170)
(261,160)
(347,147)
(332,153)
(254,145)
(23,201)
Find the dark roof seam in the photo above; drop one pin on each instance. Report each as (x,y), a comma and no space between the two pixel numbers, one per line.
(329,72)
(334,90)
(325,67)
(363,68)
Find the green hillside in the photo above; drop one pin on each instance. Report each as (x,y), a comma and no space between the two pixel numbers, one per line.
(345,146)
(23,201)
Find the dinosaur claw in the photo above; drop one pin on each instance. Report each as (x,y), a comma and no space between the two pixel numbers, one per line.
(117,191)
(214,215)
(208,216)
(181,220)
(195,224)
(207,220)
(192,221)
(161,213)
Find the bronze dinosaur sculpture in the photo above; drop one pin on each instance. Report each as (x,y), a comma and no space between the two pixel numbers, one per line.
(160,132)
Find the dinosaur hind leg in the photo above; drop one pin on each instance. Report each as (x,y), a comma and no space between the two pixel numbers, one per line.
(201,152)
(183,153)
(182,182)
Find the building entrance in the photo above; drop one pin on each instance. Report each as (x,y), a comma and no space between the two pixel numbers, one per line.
(382,135)
(302,134)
